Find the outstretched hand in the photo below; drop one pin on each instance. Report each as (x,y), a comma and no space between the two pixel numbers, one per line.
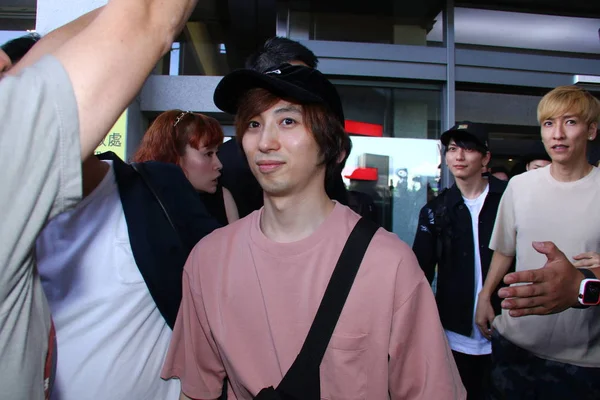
(587,260)
(550,289)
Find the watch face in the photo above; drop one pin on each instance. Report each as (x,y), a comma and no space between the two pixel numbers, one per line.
(591,293)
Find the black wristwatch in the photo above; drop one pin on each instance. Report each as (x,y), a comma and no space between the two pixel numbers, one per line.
(589,289)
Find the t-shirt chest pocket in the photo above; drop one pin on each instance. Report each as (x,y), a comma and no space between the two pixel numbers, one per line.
(344,368)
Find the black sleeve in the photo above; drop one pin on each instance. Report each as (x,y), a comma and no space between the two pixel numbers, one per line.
(189,213)
(424,245)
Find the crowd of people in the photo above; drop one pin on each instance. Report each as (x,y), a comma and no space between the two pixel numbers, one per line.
(203,270)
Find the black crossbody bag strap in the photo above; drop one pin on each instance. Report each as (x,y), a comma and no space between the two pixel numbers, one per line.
(139,168)
(302,379)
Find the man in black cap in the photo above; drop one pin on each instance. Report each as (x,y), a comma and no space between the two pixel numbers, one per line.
(453,233)
(236,175)
(251,290)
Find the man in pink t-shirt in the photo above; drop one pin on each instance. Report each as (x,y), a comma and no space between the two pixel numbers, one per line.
(251,289)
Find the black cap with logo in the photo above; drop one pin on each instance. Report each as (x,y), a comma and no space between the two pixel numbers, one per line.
(294,82)
(466,130)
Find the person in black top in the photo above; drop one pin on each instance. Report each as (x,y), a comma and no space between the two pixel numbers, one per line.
(453,233)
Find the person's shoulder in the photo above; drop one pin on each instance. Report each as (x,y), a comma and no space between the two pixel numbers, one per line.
(163,170)
(390,244)
(208,254)
(394,258)
(44,86)
(385,248)
(228,236)
(171,180)
(528,182)
(526,178)
(497,185)
(595,173)
(436,203)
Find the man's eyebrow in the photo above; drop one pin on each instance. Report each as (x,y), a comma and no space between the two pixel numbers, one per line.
(290,108)
(562,116)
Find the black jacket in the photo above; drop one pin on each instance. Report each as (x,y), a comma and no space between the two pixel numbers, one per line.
(158,253)
(445,238)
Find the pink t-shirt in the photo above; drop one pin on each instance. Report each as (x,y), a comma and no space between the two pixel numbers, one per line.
(248,303)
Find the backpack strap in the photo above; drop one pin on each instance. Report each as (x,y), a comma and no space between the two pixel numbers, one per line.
(302,379)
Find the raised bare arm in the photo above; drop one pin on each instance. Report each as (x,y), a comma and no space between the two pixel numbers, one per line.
(109,53)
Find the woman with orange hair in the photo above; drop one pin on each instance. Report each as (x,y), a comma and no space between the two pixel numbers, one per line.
(191,140)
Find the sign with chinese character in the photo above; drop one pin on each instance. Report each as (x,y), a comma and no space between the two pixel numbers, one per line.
(116,139)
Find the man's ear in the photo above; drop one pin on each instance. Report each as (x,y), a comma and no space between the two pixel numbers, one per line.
(341,157)
(592,131)
(486,159)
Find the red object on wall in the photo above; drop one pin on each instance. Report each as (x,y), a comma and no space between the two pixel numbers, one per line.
(363,174)
(364,128)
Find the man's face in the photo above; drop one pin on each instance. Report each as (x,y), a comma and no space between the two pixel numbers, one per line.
(535,164)
(565,138)
(5,63)
(465,163)
(282,153)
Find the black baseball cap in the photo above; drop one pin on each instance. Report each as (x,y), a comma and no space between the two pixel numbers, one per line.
(291,82)
(466,130)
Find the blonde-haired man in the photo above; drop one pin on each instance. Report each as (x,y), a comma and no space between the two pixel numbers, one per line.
(548,356)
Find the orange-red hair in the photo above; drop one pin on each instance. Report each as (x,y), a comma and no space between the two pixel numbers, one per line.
(166,139)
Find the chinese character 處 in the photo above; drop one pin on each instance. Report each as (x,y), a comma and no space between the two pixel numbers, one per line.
(114,139)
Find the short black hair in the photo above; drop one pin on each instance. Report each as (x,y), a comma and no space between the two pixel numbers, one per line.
(17,48)
(278,50)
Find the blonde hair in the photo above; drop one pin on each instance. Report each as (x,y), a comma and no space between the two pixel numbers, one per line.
(569,99)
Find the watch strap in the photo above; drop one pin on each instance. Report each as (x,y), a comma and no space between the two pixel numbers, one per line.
(587,275)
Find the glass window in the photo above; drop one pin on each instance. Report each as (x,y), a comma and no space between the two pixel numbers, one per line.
(395,156)
(408,112)
(400,176)
(385,22)
(504,29)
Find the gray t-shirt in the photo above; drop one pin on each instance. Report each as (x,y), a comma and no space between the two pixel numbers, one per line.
(536,207)
(40,160)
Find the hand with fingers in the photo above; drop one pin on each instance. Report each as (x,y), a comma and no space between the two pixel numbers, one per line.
(587,260)
(484,315)
(550,289)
